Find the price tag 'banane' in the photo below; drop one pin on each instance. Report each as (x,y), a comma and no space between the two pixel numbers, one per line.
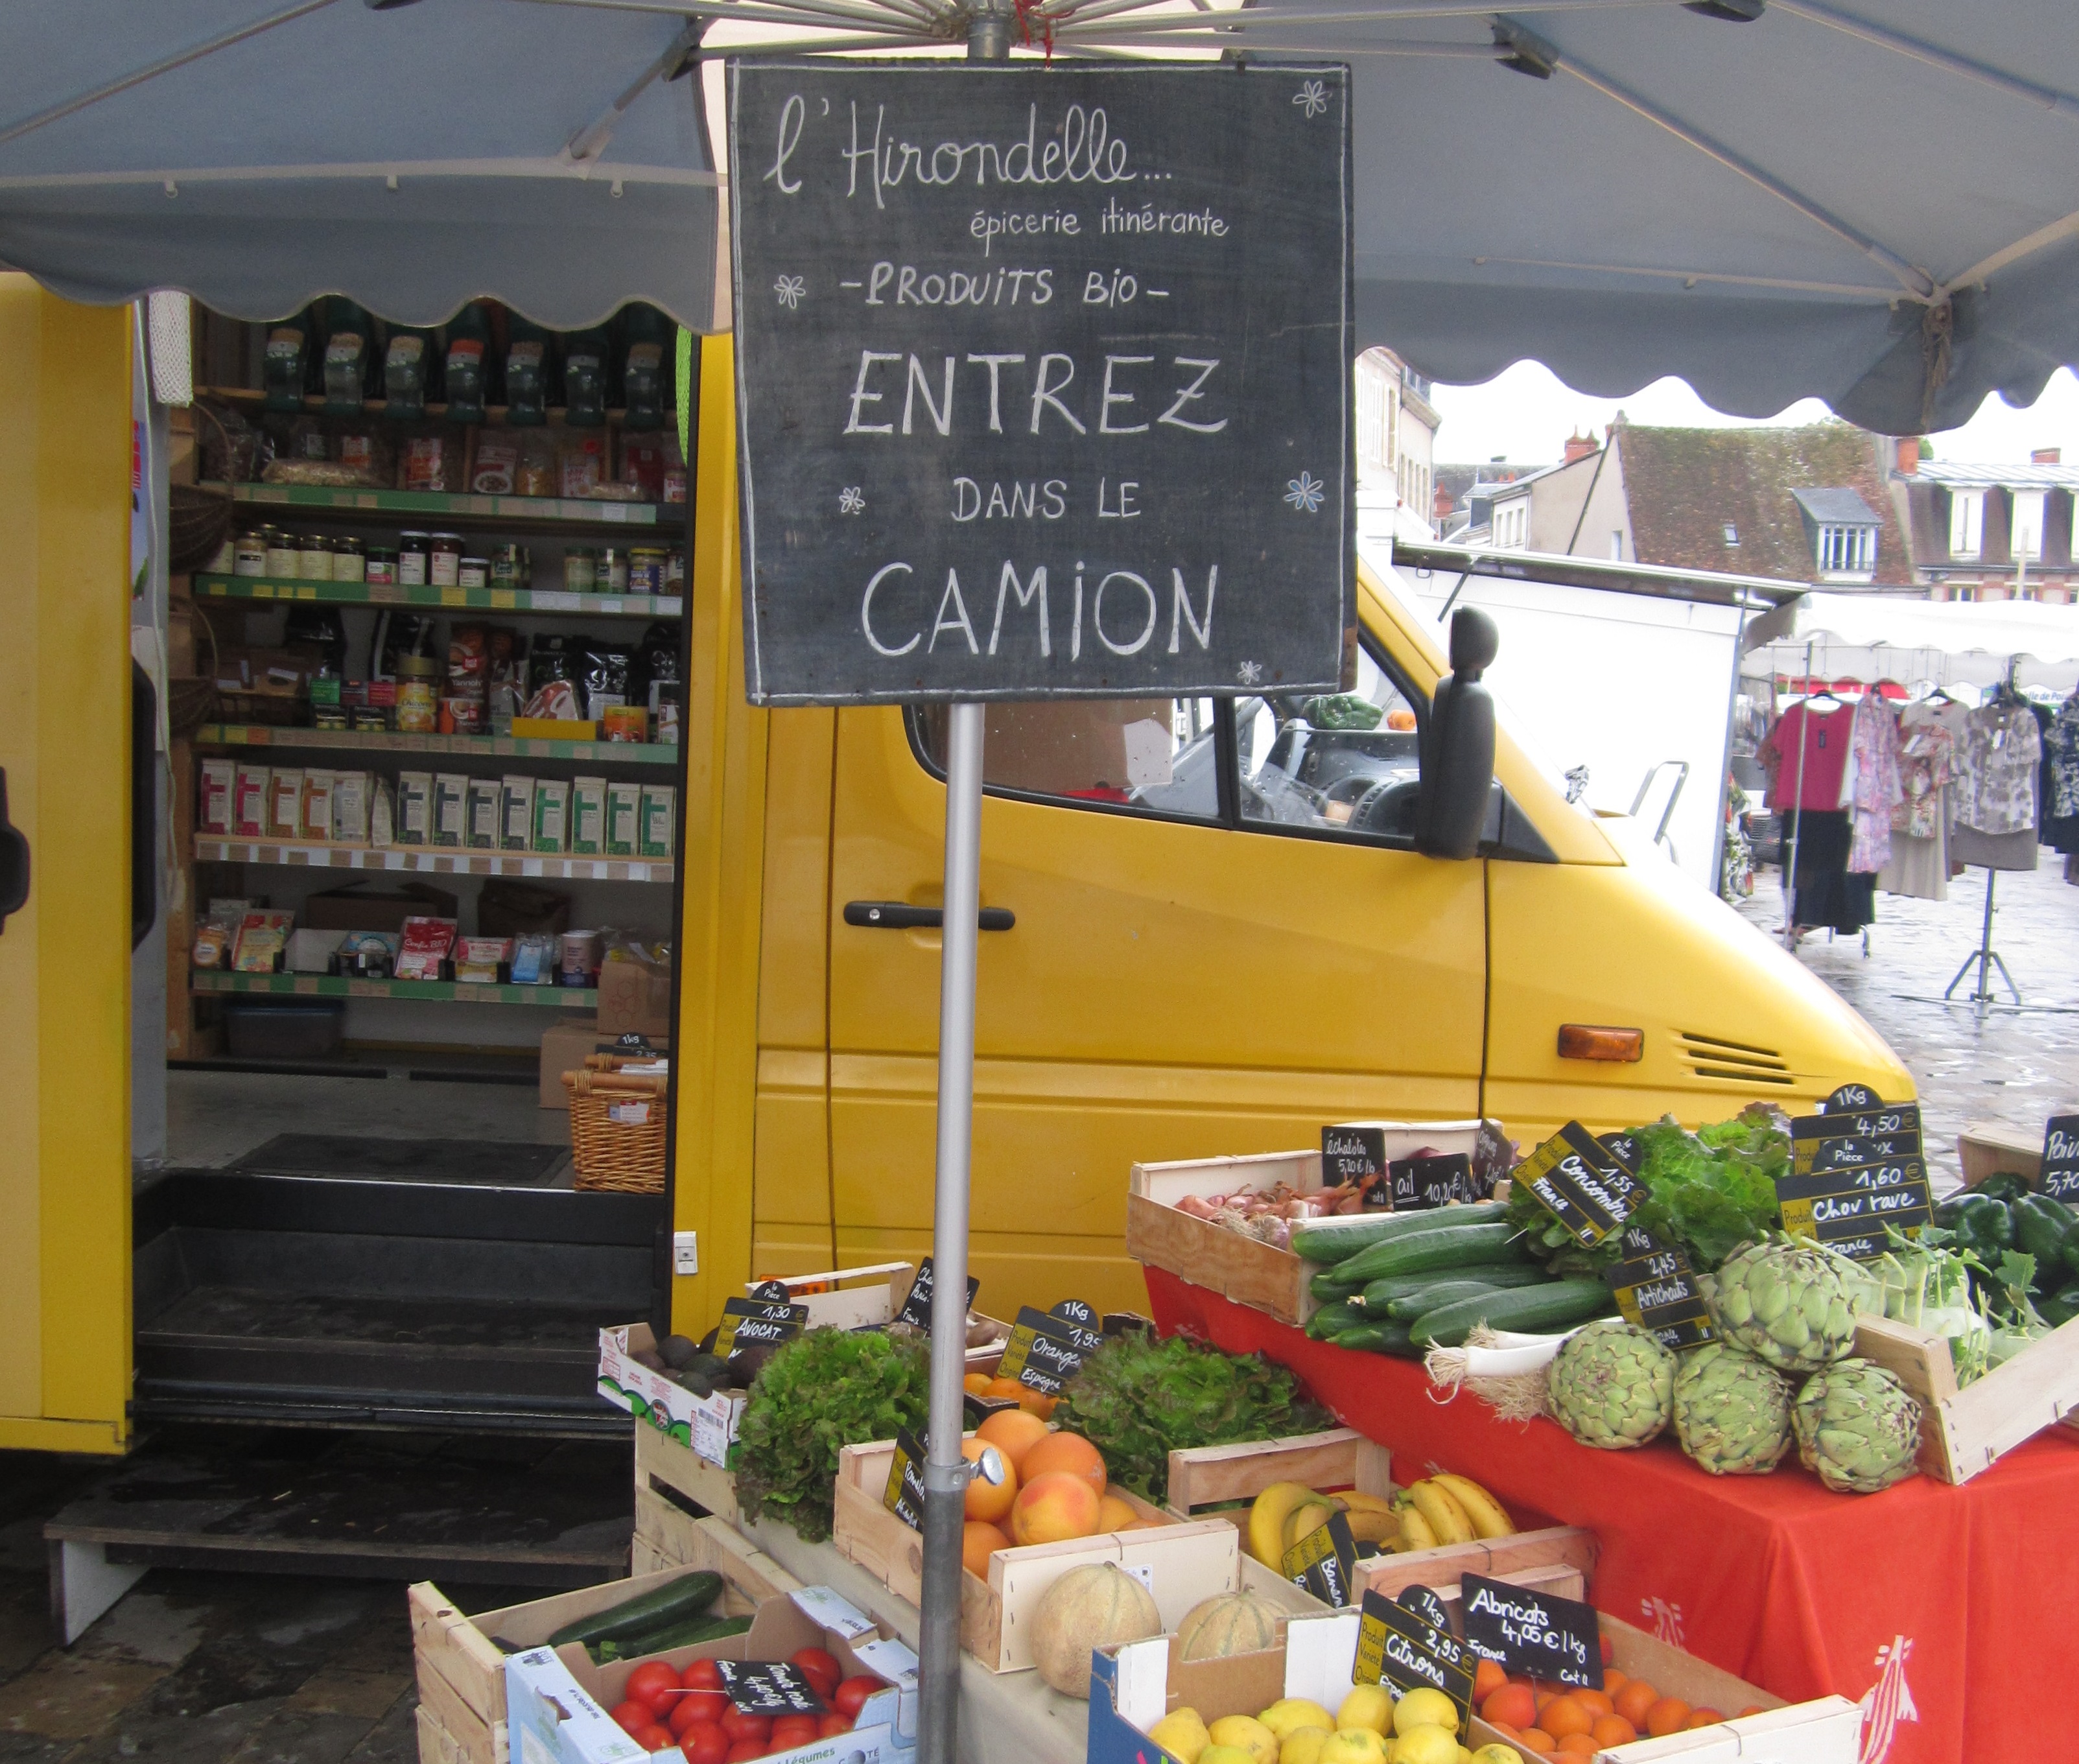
(1585,1185)
(1047,1347)
(1397,1648)
(1323,1561)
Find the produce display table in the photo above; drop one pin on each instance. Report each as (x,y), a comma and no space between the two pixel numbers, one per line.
(1005,1717)
(1942,1609)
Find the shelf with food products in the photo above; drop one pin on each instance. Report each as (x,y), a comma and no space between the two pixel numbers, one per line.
(603,753)
(357,502)
(433,991)
(443,860)
(590,605)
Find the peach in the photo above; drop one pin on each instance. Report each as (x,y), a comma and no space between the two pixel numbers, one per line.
(1014,1432)
(994,1486)
(1070,1453)
(1053,1508)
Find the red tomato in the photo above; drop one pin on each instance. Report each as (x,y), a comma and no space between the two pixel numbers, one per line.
(701,1675)
(744,1751)
(632,1717)
(833,1724)
(790,1731)
(850,1696)
(653,1684)
(741,1724)
(705,1743)
(820,1667)
(691,1706)
(654,1738)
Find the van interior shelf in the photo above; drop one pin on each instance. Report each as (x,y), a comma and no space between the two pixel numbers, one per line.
(432,991)
(622,606)
(444,860)
(602,753)
(460,506)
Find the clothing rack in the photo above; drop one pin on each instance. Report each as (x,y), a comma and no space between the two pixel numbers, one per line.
(1985,958)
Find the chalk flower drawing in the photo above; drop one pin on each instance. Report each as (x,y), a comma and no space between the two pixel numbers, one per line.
(1305,492)
(790,289)
(1249,673)
(1313,97)
(850,501)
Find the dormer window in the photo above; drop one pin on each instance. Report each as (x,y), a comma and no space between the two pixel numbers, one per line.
(1841,529)
(1966,523)
(1847,550)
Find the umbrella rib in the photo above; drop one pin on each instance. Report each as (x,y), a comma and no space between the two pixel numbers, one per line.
(1686,277)
(167,64)
(798,12)
(591,140)
(2049,98)
(2041,240)
(1084,11)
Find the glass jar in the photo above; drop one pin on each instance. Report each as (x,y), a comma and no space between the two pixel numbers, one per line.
(473,573)
(314,558)
(674,571)
(347,562)
(444,569)
(284,559)
(510,565)
(664,707)
(613,573)
(414,550)
(646,569)
(380,566)
(418,697)
(580,568)
(249,555)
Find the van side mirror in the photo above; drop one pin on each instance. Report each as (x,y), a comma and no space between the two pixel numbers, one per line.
(1458,744)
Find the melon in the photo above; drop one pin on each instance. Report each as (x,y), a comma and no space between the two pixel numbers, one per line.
(1098,1605)
(1227,1622)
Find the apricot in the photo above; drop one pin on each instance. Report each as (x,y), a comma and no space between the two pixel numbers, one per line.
(994,1486)
(1053,1508)
(1114,1514)
(1014,1432)
(1070,1453)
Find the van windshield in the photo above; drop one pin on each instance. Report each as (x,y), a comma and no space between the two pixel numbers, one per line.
(1349,762)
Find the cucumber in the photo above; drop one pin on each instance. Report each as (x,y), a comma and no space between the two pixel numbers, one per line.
(1336,1240)
(1324,1324)
(1379,1294)
(1376,1338)
(1557,1304)
(686,1597)
(1410,1306)
(1438,1247)
(1326,1287)
(671,1635)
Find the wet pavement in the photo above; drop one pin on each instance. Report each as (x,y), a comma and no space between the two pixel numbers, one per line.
(2015,1066)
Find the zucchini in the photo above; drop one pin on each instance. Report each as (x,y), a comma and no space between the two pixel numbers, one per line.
(688,1596)
(1557,1304)
(682,1634)
(1379,1294)
(1337,1239)
(1328,1286)
(1410,1306)
(1376,1338)
(1324,1324)
(1440,1246)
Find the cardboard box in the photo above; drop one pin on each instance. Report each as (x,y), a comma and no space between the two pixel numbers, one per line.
(484,803)
(311,952)
(588,817)
(450,808)
(657,834)
(515,813)
(220,782)
(415,808)
(707,1424)
(552,815)
(634,996)
(249,801)
(624,818)
(349,811)
(563,1049)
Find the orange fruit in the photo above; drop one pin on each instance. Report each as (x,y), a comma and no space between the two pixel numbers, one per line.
(1577,1746)
(1114,1514)
(1068,1453)
(1053,1508)
(975,1383)
(1564,1715)
(1013,1432)
(1010,1390)
(1535,1739)
(978,1543)
(1517,1678)
(1613,1730)
(1487,1679)
(1753,1708)
(1633,1700)
(1613,1681)
(1705,1717)
(1595,1702)
(994,1485)
(1666,1716)
(1510,1706)
(1541,1694)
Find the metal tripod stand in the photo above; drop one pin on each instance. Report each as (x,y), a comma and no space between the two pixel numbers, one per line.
(1987,958)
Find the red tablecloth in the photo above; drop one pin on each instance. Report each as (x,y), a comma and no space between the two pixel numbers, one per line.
(1946,1609)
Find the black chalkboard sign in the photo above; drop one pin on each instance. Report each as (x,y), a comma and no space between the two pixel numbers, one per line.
(1423,1601)
(771,1687)
(1558,1639)
(1352,1155)
(2059,1179)
(1043,379)
(1421,1183)
(1047,1347)
(1324,1560)
(1397,1647)
(1582,1183)
(756,1322)
(1656,1290)
(903,1495)
(1856,1172)
(917,1305)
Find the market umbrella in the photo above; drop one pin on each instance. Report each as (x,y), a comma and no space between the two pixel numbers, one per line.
(1868,637)
(1771,199)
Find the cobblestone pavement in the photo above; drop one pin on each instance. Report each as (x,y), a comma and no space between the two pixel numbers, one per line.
(2014,1067)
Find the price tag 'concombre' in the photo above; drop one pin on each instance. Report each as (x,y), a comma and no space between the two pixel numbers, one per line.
(1042,376)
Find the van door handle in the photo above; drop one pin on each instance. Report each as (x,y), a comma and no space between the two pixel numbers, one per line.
(13,861)
(900,916)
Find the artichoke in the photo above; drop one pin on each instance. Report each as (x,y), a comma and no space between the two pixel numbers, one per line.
(1858,1426)
(1732,1413)
(1784,1302)
(1613,1386)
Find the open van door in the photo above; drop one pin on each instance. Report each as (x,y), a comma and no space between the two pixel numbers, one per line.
(65,871)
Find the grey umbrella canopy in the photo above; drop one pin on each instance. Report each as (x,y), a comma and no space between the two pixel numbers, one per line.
(1876,205)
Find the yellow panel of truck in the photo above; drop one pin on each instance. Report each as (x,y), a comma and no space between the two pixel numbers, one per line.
(64,959)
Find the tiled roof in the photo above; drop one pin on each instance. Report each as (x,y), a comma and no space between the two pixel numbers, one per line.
(1835,507)
(1459,479)
(1686,486)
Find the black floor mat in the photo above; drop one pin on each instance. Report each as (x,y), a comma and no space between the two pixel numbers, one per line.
(505,1163)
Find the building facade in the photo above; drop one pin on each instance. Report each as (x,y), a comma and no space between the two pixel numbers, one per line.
(1990,532)
(1396,446)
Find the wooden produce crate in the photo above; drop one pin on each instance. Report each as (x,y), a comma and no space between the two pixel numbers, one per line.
(1189,1560)
(1566,1549)
(1964,1432)
(1342,1458)
(1986,1146)
(461,1670)
(675,1488)
(1259,1275)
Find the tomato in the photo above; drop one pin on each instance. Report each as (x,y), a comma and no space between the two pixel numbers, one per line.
(653,1684)
(833,1724)
(688,1707)
(703,1742)
(819,1667)
(654,1738)
(741,1724)
(790,1731)
(850,1696)
(632,1717)
(744,1751)
(701,1675)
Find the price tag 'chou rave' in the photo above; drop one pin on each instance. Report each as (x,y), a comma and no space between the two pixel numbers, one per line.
(1044,380)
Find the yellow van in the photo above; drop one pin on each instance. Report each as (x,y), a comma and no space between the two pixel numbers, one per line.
(1203,935)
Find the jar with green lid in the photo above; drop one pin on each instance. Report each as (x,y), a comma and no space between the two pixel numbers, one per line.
(508,565)
(348,564)
(418,697)
(284,557)
(612,577)
(314,558)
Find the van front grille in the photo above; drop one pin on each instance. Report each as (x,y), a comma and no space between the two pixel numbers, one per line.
(1733,1062)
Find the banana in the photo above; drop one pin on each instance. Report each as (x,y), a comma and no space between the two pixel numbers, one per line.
(1352,1502)
(1305,1519)
(1446,1518)
(1373,1526)
(1264,1533)
(1485,1512)
(1415,1530)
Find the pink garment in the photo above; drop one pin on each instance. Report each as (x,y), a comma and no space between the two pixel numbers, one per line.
(1825,736)
(1877,788)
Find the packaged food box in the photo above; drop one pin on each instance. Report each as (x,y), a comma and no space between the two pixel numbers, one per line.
(588,817)
(382,813)
(248,802)
(552,807)
(483,797)
(311,952)
(213,802)
(262,937)
(350,807)
(450,808)
(624,818)
(415,808)
(316,816)
(285,803)
(534,964)
(427,942)
(515,813)
(478,959)
(657,836)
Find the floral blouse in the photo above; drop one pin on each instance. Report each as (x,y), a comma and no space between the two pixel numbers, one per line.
(1926,755)
(1996,771)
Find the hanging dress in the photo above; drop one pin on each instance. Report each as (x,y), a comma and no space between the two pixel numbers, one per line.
(1919,865)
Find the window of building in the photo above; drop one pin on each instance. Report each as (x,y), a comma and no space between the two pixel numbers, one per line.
(2026,531)
(1511,525)
(1967,522)
(1616,544)
(1846,550)
(1732,534)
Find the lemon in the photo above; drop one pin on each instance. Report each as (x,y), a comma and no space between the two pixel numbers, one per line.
(1302,1745)
(1290,1714)
(1425,1743)
(1367,1705)
(1353,1745)
(1245,1733)
(1497,1754)
(1227,1754)
(1425,1709)
(1181,1734)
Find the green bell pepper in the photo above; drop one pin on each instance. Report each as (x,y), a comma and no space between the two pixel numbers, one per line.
(1982,1223)
(2003,1185)
(2040,1227)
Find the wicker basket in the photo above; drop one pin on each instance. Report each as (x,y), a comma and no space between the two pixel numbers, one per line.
(624,1155)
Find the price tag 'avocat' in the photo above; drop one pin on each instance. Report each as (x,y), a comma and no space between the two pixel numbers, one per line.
(1397,1648)
(752,1322)
(1047,1347)
(1586,1184)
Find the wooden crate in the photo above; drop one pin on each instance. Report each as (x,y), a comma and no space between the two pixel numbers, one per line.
(1190,1560)
(1340,1459)
(1964,1432)
(1985,1146)
(669,1479)
(461,1670)
(1499,1558)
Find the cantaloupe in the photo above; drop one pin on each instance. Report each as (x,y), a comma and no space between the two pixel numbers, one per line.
(1227,1622)
(1098,1605)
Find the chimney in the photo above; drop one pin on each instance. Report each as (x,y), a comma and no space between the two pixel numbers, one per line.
(1441,505)
(1579,447)
(1907,462)
(2047,456)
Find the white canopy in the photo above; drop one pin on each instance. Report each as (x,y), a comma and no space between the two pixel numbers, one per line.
(1870,637)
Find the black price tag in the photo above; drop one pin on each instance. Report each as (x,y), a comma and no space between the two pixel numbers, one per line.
(1352,1154)
(1558,1639)
(1855,1169)
(1323,1561)
(1125,1323)
(1047,1347)
(1655,1290)
(1584,1185)
(769,1687)
(1424,1602)
(1421,1183)
(916,1306)
(1397,1648)
(904,1496)
(757,1323)
(2060,1158)
(1851,1096)
(773,1292)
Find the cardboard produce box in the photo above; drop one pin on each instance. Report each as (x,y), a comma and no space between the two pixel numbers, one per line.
(634,996)
(563,1049)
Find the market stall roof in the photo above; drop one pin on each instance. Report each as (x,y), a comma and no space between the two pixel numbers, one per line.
(1712,587)
(1996,628)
